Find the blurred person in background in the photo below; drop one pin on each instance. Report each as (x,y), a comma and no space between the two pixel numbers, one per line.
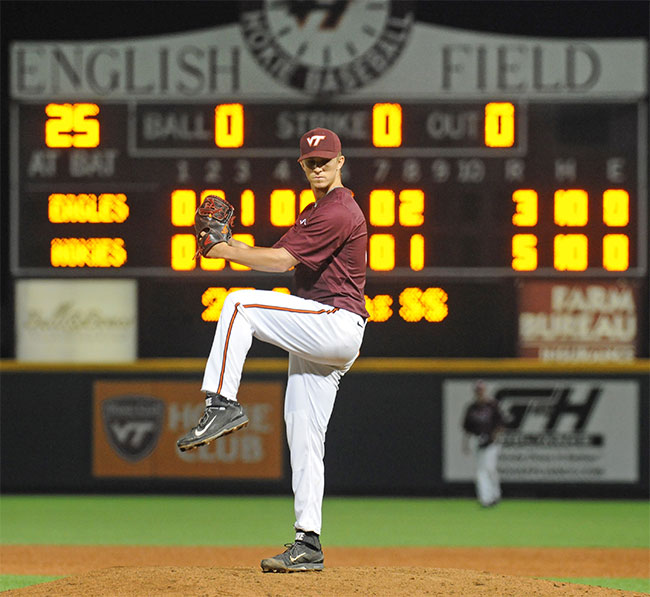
(483,423)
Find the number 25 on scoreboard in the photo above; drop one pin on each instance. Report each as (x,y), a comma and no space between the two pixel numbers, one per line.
(72,125)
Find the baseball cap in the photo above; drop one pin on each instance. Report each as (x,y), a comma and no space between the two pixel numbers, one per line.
(319,143)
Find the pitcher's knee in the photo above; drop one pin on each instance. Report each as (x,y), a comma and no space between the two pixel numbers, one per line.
(237,297)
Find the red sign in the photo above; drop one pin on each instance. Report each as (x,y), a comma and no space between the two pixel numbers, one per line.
(137,423)
(578,321)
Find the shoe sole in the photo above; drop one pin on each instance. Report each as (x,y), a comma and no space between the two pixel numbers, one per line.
(239,424)
(316,567)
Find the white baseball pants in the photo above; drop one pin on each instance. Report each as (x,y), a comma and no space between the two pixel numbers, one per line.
(488,487)
(323,343)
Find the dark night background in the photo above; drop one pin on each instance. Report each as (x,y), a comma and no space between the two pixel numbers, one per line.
(96,20)
(63,20)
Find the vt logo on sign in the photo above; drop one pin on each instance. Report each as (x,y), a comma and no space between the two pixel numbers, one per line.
(133,425)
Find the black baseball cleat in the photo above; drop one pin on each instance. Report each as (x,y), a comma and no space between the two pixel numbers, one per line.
(303,555)
(221,417)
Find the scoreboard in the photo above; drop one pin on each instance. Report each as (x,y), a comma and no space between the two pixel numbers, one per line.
(465,198)
(449,189)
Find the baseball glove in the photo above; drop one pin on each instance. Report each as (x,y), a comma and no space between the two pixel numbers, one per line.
(213,222)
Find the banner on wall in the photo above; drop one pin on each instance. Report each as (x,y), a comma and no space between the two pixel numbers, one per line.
(324,54)
(76,321)
(136,425)
(558,430)
(578,321)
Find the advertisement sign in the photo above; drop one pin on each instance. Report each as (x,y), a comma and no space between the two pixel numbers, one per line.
(578,321)
(76,321)
(136,425)
(557,430)
(361,48)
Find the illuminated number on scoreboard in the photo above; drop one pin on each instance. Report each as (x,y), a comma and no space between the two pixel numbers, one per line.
(387,125)
(183,245)
(417,252)
(379,307)
(570,252)
(382,213)
(525,207)
(616,252)
(247,208)
(499,124)
(571,209)
(411,207)
(430,304)
(306,198)
(214,297)
(183,207)
(381,252)
(382,207)
(72,125)
(212,265)
(183,249)
(524,252)
(247,239)
(283,207)
(616,207)
(416,304)
(229,125)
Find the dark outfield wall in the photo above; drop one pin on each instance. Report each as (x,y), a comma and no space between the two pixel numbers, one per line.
(393,431)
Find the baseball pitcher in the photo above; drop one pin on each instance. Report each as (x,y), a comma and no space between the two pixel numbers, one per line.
(320,325)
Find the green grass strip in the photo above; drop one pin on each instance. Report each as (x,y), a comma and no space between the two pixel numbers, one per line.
(265,521)
(639,585)
(18,581)
(513,523)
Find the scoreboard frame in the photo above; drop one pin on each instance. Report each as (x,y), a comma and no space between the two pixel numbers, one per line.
(469,149)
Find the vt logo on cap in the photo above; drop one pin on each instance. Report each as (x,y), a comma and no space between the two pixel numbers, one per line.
(319,143)
(314,140)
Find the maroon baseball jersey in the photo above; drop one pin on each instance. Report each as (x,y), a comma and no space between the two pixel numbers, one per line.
(483,419)
(329,239)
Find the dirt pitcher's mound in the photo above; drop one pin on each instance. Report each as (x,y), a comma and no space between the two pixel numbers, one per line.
(122,581)
(544,562)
